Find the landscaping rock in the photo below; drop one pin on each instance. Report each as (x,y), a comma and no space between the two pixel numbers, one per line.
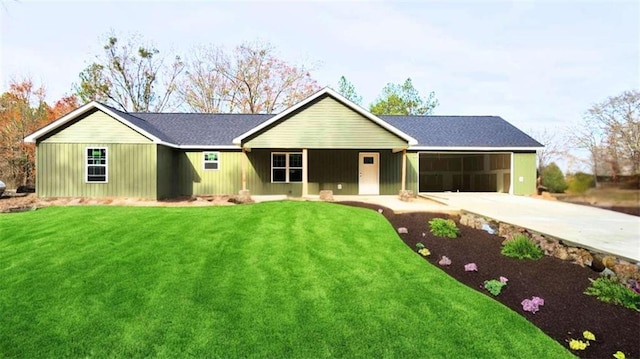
(244,196)
(584,257)
(402,230)
(406,195)
(609,261)
(466,219)
(326,195)
(561,253)
(607,273)
(597,264)
(626,271)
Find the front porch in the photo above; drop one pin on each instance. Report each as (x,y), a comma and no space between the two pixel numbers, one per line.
(306,172)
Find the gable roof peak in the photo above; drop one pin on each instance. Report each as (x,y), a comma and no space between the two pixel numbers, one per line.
(327,91)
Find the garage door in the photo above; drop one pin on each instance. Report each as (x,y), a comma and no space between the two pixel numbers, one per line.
(464,172)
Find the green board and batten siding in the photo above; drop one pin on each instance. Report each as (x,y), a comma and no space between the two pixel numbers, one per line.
(326,124)
(62,173)
(192,179)
(166,174)
(412,172)
(97,126)
(524,167)
(327,169)
(131,160)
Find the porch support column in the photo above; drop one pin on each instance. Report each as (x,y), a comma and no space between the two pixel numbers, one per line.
(244,169)
(404,169)
(305,171)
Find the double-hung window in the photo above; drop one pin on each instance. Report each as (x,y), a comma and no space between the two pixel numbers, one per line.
(211,160)
(96,165)
(286,167)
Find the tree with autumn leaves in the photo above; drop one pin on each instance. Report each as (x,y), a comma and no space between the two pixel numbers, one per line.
(23,110)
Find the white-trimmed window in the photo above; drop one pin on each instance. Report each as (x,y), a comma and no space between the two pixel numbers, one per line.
(211,160)
(286,167)
(96,165)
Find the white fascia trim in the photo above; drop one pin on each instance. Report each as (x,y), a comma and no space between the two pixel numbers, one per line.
(63,120)
(81,110)
(427,148)
(339,97)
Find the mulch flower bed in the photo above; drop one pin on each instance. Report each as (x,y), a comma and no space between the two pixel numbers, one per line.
(566,312)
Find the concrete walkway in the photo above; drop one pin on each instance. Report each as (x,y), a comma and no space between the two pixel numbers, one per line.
(582,226)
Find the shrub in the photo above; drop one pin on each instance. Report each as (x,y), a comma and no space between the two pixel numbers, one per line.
(494,286)
(580,182)
(441,227)
(610,290)
(419,245)
(553,179)
(522,247)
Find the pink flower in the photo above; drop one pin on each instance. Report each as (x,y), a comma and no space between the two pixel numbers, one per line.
(503,280)
(445,261)
(532,305)
(471,267)
(537,300)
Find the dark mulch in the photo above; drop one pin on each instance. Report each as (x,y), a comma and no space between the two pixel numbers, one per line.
(566,313)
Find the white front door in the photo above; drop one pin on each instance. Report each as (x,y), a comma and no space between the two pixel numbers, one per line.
(369,173)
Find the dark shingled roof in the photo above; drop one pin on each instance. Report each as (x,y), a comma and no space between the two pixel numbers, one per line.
(200,129)
(193,129)
(461,131)
(142,124)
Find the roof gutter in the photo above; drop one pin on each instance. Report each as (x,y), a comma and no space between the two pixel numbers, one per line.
(471,148)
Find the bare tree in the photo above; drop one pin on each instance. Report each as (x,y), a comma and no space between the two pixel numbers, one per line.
(130,76)
(610,132)
(251,79)
(552,150)
(618,118)
(588,136)
(204,88)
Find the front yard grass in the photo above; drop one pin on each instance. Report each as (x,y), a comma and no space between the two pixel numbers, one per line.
(284,279)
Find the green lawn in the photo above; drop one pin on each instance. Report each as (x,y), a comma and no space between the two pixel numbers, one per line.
(285,279)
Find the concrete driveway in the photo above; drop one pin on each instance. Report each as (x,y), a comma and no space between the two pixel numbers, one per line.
(583,226)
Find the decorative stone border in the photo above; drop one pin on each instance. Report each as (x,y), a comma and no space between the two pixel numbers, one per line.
(555,247)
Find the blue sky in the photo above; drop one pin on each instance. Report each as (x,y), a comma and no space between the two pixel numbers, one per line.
(538,64)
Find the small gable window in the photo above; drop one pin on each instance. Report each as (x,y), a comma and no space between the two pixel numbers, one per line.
(211,160)
(286,167)
(96,165)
